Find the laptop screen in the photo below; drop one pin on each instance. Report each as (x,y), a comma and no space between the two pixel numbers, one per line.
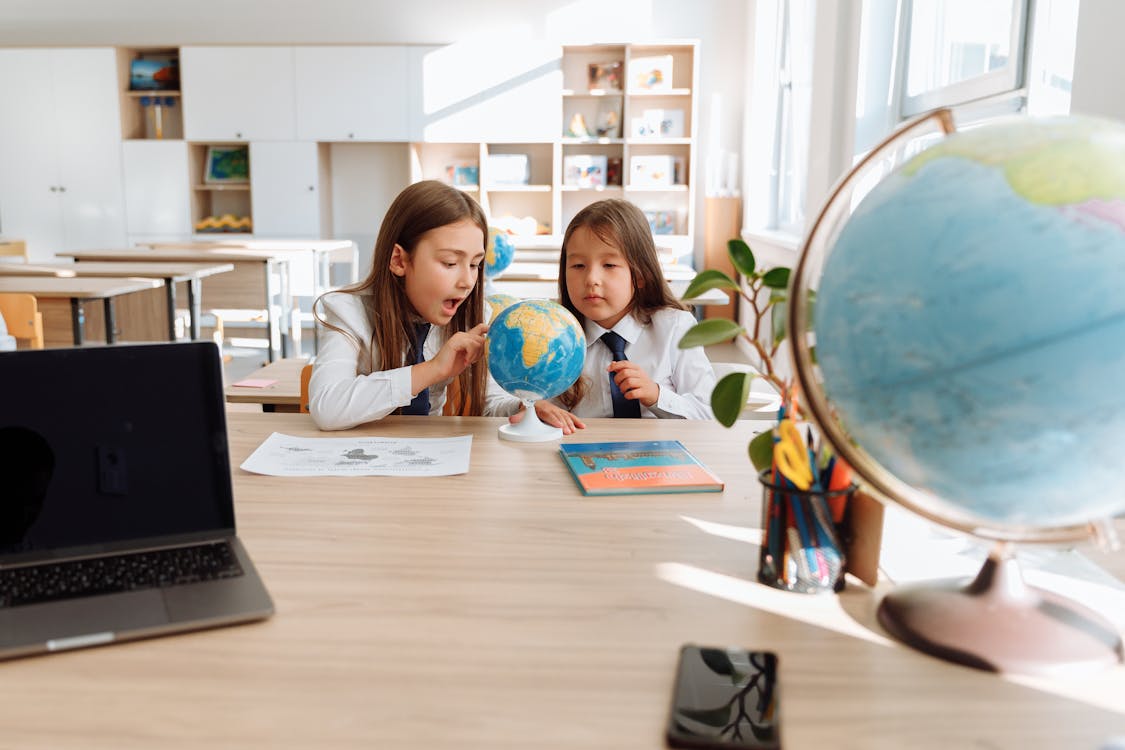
(103,446)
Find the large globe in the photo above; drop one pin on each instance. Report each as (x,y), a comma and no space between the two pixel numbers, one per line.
(970,324)
(536,349)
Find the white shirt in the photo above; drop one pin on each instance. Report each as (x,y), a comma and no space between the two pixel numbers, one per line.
(685,376)
(341,398)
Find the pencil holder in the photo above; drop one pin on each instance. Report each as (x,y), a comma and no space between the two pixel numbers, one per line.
(801,549)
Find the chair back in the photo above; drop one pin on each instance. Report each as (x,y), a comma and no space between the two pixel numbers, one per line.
(22,317)
(306,375)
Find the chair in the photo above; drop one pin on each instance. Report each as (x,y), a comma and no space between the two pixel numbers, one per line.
(306,375)
(22,317)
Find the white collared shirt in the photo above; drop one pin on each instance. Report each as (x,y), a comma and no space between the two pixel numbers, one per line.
(341,398)
(685,376)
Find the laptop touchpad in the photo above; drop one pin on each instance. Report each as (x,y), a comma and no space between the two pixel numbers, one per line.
(34,623)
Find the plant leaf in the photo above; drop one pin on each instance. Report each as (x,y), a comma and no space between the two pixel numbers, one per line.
(713,331)
(776,278)
(729,396)
(779,316)
(707,280)
(717,660)
(741,257)
(761,450)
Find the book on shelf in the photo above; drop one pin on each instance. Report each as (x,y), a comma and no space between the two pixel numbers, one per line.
(637,467)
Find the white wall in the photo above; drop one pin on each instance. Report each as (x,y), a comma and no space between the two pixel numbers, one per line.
(1097,87)
(719,24)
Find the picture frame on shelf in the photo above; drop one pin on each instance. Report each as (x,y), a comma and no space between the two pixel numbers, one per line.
(604,76)
(653,73)
(463,174)
(508,169)
(657,123)
(652,170)
(227,165)
(662,221)
(585,170)
(154,72)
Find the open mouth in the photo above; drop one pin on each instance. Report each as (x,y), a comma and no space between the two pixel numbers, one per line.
(450,305)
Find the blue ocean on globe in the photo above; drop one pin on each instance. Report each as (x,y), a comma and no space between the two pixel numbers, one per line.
(499,252)
(970,322)
(536,349)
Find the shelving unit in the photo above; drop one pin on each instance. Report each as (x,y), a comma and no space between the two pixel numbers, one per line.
(149,113)
(549,197)
(215,199)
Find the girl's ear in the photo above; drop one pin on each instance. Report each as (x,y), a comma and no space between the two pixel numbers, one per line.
(398,260)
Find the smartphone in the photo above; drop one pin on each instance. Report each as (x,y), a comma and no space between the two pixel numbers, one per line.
(725,698)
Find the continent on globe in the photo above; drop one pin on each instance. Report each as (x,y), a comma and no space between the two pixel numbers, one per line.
(536,349)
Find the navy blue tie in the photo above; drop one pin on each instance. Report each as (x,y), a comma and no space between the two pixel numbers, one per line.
(420,403)
(622,407)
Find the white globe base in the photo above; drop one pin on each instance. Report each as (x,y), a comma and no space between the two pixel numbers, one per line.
(530,429)
(998,623)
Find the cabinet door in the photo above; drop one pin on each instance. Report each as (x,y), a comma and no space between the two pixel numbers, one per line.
(29,200)
(237,93)
(89,147)
(285,189)
(157,193)
(487,92)
(352,93)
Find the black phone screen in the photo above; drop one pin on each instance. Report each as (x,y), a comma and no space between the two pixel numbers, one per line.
(725,698)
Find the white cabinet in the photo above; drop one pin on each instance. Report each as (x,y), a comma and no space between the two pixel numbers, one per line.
(157,189)
(60,150)
(352,93)
(289,189)
(238,93)
(483,91)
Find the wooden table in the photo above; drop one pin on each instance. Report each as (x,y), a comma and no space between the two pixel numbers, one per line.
(502,609)
(283,396)
(258,277)
(171,274)
(52,293)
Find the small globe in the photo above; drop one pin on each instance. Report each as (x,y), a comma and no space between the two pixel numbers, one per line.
(536,349)
(498,253)
(970,325)
(498,302)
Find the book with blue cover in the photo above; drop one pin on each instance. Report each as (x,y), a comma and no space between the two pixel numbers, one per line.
(637,467)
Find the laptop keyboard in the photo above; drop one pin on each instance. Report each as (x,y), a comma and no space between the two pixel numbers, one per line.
(49,582)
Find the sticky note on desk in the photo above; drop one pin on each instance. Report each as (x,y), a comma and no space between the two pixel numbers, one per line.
(255,383)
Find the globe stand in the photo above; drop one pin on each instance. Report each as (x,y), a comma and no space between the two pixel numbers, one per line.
(999,623)
(530,429)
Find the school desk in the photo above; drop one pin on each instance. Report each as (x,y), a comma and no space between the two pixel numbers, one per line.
(259,277)
(503,610)
(62,301)
(284,394)
(189,274)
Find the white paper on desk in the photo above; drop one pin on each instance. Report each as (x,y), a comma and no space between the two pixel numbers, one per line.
(289,456)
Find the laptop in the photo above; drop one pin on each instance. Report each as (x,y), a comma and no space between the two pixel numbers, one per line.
(116,507)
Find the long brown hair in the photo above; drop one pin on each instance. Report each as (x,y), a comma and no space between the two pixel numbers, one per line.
(419,208)
(620,224)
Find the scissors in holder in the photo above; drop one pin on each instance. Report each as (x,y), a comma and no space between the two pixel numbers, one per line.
(792,456)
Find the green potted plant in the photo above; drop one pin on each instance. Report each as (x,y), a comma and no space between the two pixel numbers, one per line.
(732,390)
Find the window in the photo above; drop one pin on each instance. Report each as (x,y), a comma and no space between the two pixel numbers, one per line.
(961,51)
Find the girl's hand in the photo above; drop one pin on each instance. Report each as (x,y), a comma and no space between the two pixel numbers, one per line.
(634,382)
(461,350)
(556,416)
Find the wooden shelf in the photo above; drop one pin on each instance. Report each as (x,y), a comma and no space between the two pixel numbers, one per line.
(237,186)
(518,188)
(599,189)
(591,141)
(138,94)
(592,92)
(666,92)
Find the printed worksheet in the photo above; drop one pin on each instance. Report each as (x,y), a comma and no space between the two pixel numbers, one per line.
(288,456)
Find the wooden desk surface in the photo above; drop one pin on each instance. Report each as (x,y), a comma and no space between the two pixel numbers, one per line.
(174,255)
(286,391)
(175,271)
(502,609)
(77,288)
